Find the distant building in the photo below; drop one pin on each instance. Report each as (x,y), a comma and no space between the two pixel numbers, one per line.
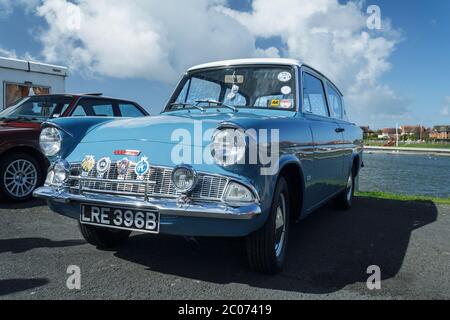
(440,132)
(388,133)
(409,130)
(21,78)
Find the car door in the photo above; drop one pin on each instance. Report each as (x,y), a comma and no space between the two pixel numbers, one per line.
(326,176)
(346,144)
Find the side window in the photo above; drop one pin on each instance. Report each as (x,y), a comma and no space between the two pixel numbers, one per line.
(335,101)
(129,110)
(94,107)
(79,111)
(104,109)
(314,96)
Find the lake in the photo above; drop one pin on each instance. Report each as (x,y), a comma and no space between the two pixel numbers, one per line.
(408,174)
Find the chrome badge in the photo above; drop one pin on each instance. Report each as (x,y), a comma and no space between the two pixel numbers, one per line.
(88,164)
(103,166)
(122,167)
(142,167)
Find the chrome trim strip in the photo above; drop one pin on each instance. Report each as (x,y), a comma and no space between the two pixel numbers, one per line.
(216,210)
(137,182)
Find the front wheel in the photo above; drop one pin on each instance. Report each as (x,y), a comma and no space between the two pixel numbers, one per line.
(266,247)
(103,238)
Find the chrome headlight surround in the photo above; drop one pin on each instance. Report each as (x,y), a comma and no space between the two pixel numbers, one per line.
(50,141)
(58,174)
(228,146)
(183,171)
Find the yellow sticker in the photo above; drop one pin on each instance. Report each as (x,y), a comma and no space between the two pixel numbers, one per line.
(275,103)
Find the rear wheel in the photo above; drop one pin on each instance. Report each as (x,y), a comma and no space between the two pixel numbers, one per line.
(266,247)
(20,175)
(103,238)
(344,200)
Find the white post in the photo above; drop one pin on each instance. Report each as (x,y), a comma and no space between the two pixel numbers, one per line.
(396,134)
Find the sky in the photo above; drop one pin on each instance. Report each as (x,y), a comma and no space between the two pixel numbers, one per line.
(397,72)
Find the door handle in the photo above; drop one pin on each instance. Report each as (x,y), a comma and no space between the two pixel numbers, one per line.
(339,130)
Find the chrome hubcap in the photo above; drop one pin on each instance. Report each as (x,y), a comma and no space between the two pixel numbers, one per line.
(280,225)
(349,187)
(20,178)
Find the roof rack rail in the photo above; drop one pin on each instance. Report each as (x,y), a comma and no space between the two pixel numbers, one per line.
(97,94)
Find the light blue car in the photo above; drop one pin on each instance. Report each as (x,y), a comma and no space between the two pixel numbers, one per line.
(242,149)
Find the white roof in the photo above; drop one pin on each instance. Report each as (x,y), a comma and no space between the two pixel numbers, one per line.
(30,66)
(225,63)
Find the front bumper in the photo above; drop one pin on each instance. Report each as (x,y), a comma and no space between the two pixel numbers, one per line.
(194,219)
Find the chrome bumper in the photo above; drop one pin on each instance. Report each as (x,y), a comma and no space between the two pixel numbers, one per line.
(164,206)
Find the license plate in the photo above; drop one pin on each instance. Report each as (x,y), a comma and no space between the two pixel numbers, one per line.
(120,218)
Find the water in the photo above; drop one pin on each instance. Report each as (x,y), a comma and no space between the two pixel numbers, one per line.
(408,174)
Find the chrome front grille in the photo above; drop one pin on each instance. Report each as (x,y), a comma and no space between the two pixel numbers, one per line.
(156,183)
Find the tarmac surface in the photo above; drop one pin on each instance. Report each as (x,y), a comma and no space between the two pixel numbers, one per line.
(329,253)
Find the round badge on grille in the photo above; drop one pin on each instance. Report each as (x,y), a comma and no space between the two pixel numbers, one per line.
(122,166)
(103,165)
(142,167)
(88,163)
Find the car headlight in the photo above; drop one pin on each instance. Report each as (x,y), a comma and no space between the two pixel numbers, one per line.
(50,141)
(184,178)
(59,174)
(238,193)
(228,146)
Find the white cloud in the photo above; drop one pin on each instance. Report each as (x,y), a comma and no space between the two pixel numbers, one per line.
(7,6)
(12,54)
(149,39)
(157,40)
(8,53)
(446,107)
(333,38)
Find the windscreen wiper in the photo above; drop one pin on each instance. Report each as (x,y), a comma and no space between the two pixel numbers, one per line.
(218,103)
(184,105)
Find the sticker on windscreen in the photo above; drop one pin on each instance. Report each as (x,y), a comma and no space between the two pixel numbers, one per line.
(286,90)
(275,103)
(285,104)
(284,76)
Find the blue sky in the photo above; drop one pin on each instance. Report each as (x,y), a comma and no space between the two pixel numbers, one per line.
(419,73)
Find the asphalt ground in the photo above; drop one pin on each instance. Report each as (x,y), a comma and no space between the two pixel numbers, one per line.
(329,253)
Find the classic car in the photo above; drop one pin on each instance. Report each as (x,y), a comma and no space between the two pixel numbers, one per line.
(22,166)
(243,148)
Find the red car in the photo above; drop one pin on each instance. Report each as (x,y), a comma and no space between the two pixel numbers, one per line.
(22,165)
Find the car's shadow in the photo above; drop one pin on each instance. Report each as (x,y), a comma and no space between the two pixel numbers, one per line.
(33,203)
(327,251)
(20,245)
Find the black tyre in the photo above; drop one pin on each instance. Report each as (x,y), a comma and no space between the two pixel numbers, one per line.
(20,175)
(344,200)
(103,238)
(266,247)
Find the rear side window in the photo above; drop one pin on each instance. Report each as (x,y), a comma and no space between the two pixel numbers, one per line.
(79,111)
(314,96)
(335,100)
(103,110)
(129,110)
(94,107)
